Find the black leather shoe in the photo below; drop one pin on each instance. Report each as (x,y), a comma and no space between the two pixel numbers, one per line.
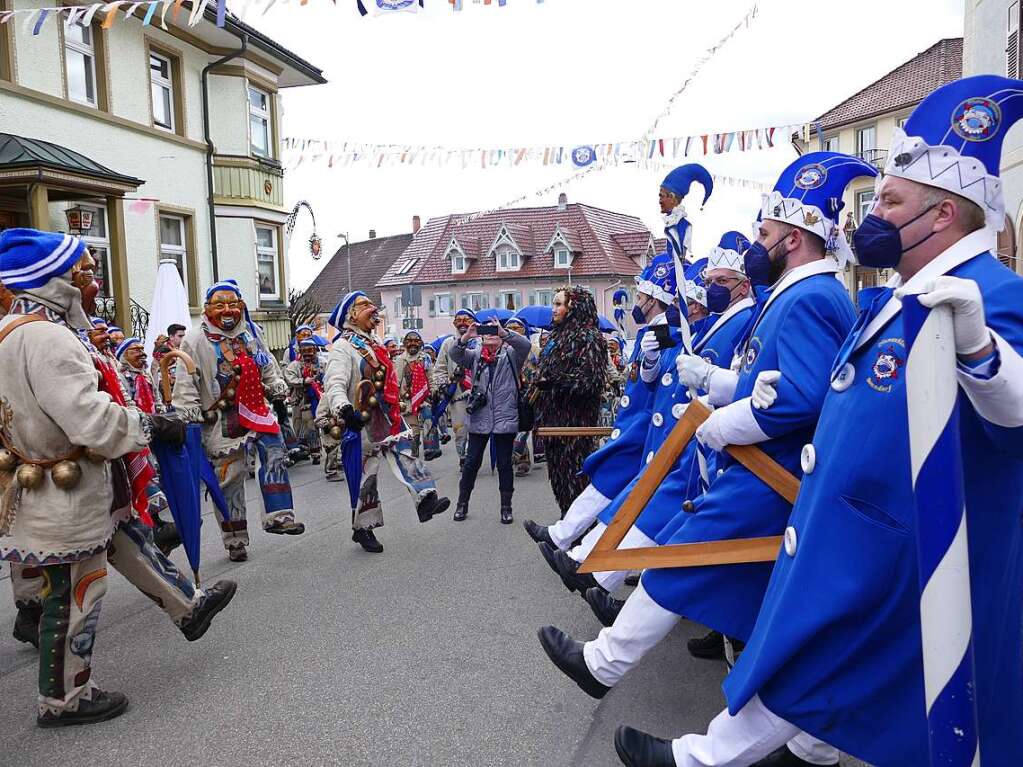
(286,527)
(539,533)
(506,515)
(604,606)
(567,568)
(26,624)
(368,541)
(237,553)
(461,512)
(710,646)
(217,598)
(567,655)
(637,749)
(103,706)
(548,555)
(430,506)
(785,758)
(166,538)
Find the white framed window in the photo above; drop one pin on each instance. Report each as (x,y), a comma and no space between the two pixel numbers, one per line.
(541,298)
(98,241)
(406,267)
(161,87)
(475,301)
(562,258)
(866,140)
(459,263)
(508,259)
(80,63)
(511,300)
(901,122)
(267,261)
(443,303)
(830,144)
(172,244)
(259,122)
(864,200)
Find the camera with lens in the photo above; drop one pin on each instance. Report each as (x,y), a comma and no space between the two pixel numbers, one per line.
(477,401)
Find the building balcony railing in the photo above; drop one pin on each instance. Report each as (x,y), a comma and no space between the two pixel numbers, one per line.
(106,307)
(246,181)
(876,157)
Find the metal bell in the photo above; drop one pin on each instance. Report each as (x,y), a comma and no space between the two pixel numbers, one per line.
(30,476)
(380,374)
(373,401)
(364,414)
(230,393)
(93,456)
(335,432)
(8,460)
(66,474)
(222,404)
(379,385)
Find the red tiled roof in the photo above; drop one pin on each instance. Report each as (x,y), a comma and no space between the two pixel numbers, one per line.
(370,259)
(594,229)
(903,87)
(660,244)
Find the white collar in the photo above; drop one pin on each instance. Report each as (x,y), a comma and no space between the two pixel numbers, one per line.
(676,215)
(958,253)
(727,314)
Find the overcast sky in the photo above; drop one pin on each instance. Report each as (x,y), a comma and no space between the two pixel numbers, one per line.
(568,72)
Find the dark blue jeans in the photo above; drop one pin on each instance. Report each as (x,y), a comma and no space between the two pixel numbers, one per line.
(474,459)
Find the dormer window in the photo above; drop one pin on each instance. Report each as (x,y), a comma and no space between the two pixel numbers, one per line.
(562,258)
(459,261)
(508,259)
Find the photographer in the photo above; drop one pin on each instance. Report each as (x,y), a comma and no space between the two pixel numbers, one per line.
(492,406)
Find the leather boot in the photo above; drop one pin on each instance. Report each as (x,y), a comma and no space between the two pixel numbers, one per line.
(461,511)
(26,624)
(506,507)
(368,541)
(102,706)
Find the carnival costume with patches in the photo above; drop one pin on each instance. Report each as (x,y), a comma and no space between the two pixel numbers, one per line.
(617,461)
(413,374)
(571,379)
(453,383)
(305,381)
(71,468)
(850,670)
(228,395)
(797,330)
(361,391)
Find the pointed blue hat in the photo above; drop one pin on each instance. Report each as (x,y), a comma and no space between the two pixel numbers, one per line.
(658,279)
(679,180)
(695,288)
(953,140)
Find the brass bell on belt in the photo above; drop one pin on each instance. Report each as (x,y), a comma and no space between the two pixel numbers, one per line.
(373,401)
(222,404)
(364,414)
(230,393)
(380,374)
(66,474)
(379,385)
(8,460)
(335,432)
(92,455)
(30,476)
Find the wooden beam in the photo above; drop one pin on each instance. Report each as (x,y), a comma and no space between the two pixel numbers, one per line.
(119,263)
(727,552)
(39,207)
(573,431)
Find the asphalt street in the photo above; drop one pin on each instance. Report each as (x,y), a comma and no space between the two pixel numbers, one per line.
(423,655)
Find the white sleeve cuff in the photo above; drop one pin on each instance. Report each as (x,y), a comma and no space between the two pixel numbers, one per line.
(721,386)
(998,399)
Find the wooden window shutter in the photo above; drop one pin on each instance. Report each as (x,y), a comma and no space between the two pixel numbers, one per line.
(1012,63)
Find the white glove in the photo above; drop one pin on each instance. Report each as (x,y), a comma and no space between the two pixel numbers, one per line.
(963,296)
(731,425)
(693,370)
(721,386)
(764,389)
(650,345)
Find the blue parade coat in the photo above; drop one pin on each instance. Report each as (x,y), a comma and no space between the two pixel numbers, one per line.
(799,331)
(837,645)
(616,462)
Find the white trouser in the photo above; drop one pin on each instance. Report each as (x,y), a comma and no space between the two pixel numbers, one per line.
(611,579)
(580,515)
(746,738)
(640,625)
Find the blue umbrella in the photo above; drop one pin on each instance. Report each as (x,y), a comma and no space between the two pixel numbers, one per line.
(605,324)
(213,489)
(489,315)
(351,460)
(180,471)
(436,343)
(535,316)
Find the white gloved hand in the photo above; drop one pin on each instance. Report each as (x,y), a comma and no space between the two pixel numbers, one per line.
(711,433)
(693,370)
(650,345)
(732,424)
(963,296)
(765,389)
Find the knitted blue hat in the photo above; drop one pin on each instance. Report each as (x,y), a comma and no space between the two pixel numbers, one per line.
(30,258)
(304,327)
(466,313)
(216,287)
(114,329)
(126,344)
(97,321)
(340,314)
(308,342)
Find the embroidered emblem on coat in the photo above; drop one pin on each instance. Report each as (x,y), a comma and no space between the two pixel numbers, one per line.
(886,371)
(752,352)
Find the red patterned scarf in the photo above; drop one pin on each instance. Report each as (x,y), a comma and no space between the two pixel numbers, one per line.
(420,387)
(390,392)
(253,412)
(144,394)
(140,472)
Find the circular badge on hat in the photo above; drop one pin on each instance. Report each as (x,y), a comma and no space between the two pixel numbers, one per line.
(661,271)
(977,119)
(811,176)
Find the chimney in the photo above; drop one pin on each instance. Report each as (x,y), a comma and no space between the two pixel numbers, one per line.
(372,234)
(416,223)
(562,201)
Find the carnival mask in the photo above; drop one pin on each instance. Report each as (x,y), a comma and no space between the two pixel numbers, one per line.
(99,337)
(135,356)
(364,314)
(413,347)
(224,309)
(303,335)
(462,324)
(83,277)
(309,353)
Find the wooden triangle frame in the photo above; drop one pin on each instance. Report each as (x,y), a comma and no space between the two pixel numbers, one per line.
(607,556)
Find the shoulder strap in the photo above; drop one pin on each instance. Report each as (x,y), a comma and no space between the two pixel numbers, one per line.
(14,324)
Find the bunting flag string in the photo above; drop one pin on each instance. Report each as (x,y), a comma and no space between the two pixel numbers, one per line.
(359,154)
(36,18)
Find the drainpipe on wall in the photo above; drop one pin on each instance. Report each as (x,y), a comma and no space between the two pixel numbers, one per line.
(210,148)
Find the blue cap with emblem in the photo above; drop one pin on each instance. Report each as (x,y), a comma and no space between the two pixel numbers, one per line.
(809,195)
(727,254)
(953,140)
(658,279)
(695,287)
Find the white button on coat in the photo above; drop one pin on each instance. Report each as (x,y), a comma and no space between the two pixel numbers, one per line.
(808,458)
(666,379)
(650,456)
(790,541)
(657,418)
(624,401)
(616,433)
(844,378)
(677,410)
